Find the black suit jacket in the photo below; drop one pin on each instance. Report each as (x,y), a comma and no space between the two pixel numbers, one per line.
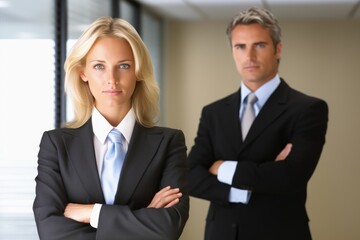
(276,209)
(67,173)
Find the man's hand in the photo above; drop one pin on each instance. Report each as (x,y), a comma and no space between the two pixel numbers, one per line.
(79,212)
(284,153)
(165,198)
(215,167)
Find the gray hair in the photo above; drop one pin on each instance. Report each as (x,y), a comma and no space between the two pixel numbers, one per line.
(260,16)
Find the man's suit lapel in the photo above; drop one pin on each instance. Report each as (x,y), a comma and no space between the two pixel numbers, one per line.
(142,148)
(231,125)
(273,108)
(80,149)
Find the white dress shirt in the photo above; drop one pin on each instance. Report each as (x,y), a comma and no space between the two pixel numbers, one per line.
(227,169)
(101,128)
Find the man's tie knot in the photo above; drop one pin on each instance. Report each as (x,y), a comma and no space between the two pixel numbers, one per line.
(251,98)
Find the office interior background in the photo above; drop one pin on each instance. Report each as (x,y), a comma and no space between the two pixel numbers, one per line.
(194,67)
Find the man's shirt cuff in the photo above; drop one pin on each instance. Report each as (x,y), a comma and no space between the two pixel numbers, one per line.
(225,175)
(226,172)
(95,214)
(239,196)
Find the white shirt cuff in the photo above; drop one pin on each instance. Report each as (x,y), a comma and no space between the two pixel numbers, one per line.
(226,172)
(239,195)
(95,214)
(225,175)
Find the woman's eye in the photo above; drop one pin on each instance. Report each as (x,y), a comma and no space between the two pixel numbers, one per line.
(99,67)
(124,66)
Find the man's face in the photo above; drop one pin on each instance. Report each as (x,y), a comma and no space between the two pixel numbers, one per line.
(254,53)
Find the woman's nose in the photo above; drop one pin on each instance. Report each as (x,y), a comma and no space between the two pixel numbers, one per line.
(112,77)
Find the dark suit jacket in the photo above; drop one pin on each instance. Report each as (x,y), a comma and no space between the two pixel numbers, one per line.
(67,173)
(276,209)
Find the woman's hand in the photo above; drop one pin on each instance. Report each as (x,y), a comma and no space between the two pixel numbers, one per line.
(79,212)
(166,197)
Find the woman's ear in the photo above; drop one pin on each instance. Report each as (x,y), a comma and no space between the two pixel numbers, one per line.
(83,76)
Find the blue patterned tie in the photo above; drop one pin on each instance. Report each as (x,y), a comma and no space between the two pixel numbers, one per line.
(112,164)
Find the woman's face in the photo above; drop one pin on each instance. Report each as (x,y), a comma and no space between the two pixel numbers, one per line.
(110,73)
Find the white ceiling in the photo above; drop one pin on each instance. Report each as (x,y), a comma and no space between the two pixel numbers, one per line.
(24,18)
(194,10)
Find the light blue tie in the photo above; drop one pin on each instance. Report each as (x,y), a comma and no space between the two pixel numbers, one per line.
(112,164)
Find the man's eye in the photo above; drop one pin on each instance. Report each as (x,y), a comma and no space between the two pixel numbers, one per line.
(99,66)
(124,66)
(261,45)
(239,46)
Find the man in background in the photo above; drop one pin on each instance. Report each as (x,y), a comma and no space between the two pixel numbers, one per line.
(256,149)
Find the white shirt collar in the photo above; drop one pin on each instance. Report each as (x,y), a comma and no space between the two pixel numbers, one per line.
(102,127)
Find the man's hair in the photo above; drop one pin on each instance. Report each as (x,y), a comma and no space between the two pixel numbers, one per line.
(256,15)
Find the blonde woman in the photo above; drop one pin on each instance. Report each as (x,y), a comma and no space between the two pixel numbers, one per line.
(110,79)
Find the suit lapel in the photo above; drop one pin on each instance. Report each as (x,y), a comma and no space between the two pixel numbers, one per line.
(273,108)
(231,125)
(80,149)
(142,148)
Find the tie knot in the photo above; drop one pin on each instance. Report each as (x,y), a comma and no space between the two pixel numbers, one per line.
(115,136)
(251,98)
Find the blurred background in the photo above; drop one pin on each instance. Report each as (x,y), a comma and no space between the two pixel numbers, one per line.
(193,66)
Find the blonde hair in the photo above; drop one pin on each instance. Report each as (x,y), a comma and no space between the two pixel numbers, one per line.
(145,99)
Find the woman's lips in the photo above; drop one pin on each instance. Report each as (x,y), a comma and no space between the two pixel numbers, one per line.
(113,92)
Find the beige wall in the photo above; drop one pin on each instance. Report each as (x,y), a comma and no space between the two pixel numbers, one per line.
(321,59)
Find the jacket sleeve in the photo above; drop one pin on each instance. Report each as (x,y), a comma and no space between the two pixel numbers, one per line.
(202,183)
(51,199)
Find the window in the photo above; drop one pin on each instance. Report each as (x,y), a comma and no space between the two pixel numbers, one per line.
(151,33)
(129,11)
(26,106)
